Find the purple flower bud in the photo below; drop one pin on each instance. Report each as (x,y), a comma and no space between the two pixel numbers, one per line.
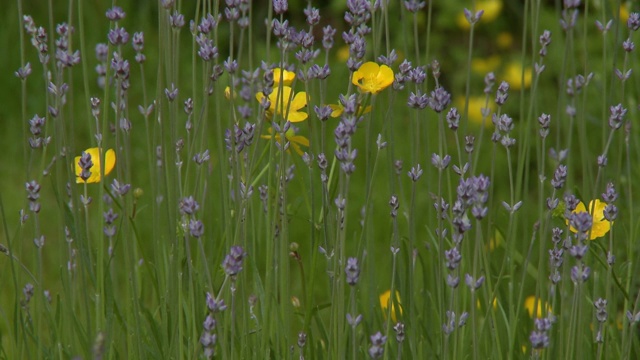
(115,13)
(232,263)
(352,271)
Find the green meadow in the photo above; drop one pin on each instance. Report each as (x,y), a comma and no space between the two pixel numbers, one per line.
(320,179)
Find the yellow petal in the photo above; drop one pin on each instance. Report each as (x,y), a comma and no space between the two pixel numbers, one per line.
(369,68)
(529,304)
(280,98)
(287,76)
(300,140)
(110,161)
(95,169)
(385,77)
(337,110)
(385,300)
(297,116)
(299,101)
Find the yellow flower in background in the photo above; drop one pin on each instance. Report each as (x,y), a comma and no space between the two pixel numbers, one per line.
(624,12)
(483,66)
(513,75)
(290,135)
(601,226)
(287,77)
(343,53)
(495,242)
(476,104)
(338,109)
(372,78)
(529,304)
(494,303)
(288,104)
(110,162)
(227,93)
(492,9)
(504,40)
(385,300)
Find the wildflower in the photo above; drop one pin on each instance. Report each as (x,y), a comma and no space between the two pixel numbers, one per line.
(492,9)
(385,300)
(601,226)
(504,40)
(372,78)
(495,242)
(227,93)
(624,12)
(513,75)
(377,345)
(338,109)
(343,53)
(292,138)
(529,303)
(352,271)
(494,303)
(477,105)
(292,104)
(94,176)
(287,76)
(232,263)
(483,66)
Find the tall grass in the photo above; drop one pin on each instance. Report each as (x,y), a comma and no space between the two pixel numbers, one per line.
(302,182)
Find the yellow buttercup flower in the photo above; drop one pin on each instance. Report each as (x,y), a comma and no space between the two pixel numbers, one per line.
(294,140)
(385,300)
(513,75)
(504,40)
(492,9)
(529,304)
(372,78)
(287,77)
(288,104)
(476,104)
(624,12)
(485,65)
(110,162)
(494,303)
(338,109)
(601,226)
(343,53)
(227,93)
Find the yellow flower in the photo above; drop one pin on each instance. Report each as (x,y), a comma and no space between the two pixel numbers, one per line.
(338,109)
(494,303)
(529,304)
(624,12)
(504,40)
(343,53)
(110,161)
(492,9)
(372,78)
(495,242)
(227,93)
(513,75)
(287,77)
(601,226)
(476,103)
(483,66)
(294,140)
(292,104)
(385,300)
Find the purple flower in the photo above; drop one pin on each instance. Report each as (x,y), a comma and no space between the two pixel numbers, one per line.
(232,263)
(439,99)
(352,271)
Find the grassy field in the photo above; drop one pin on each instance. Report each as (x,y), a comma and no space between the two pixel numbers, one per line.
(320,180)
